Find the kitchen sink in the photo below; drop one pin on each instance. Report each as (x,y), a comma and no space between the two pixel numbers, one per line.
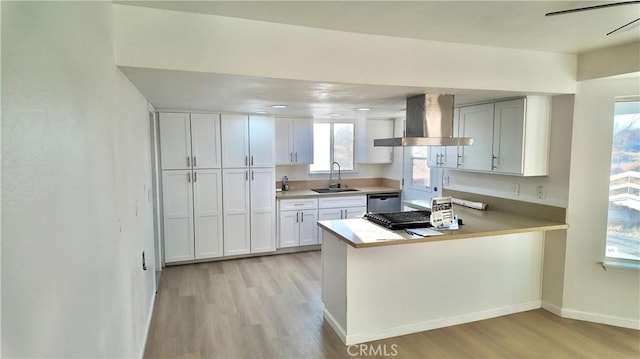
(333,190)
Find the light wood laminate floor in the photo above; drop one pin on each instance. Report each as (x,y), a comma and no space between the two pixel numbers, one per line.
(270,307)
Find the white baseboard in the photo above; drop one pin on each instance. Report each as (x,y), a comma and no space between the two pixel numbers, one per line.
(148,325)
(601,318)
(356,338)
(334,324)
(552,308)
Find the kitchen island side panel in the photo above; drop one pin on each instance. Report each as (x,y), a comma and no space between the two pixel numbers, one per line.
(334,282)
(396,290)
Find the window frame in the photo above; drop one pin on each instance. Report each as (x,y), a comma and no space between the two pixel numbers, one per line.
(331,145)
(408,171)
(615,261)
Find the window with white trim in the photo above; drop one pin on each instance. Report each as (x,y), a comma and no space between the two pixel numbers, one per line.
(623,222)
(333,141)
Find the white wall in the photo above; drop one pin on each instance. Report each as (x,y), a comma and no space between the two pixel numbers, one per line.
(75,166)
(216,44)
(590,293)
(611,61)
(394,170)
(301,172)
(556,183)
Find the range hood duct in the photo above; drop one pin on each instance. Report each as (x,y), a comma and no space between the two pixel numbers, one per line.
(429,122)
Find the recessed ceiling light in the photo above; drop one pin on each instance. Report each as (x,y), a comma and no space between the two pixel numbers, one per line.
(261,112)
(335,115)
(279,106)
(363,109)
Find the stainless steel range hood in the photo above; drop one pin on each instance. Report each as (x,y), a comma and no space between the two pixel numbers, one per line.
(429,122)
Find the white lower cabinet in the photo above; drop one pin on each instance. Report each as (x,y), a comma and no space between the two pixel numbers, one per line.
(236,211)
(192,208)
(297,222)
(263,209)
(207,211)
(340,207)
(249,210)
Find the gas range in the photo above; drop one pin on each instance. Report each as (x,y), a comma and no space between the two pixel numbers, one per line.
(400,220)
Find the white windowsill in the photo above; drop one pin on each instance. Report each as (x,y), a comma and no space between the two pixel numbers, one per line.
(620,264)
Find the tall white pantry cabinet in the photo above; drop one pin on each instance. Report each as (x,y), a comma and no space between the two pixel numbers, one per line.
(248,158)
(218,177)
(191,186)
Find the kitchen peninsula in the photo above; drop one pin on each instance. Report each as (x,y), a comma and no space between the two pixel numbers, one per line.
(378,283)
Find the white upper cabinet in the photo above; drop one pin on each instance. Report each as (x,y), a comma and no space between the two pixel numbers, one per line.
(175,141)
(248,141)
(189,140)
(205,141)
(446,156)
(476,122)
(294,141)
(235,141)
(262,138)
(521,136)
(368,130)
(509,137)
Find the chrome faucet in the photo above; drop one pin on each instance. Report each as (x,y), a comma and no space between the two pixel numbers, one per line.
(339,183)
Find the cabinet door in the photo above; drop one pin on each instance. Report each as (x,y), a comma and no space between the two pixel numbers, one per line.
(302,141)
(207,213)
(289,229)
(262,138)
(308,227)
(284,143)
(368,130)
(263,210)
(354,212)
(449,158)
(175,141)
(177,204)
(236,211)
(434,154)
(508,136)
(477,122)
(328,215)
(205,141)
(235,141)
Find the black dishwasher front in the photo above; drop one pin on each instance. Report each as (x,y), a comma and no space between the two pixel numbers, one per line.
(383,202)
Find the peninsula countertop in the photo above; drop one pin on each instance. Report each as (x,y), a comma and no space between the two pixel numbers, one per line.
(360,233)
(360,191)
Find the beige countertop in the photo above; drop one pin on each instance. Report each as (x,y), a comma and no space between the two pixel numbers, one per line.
(310,193)
(360,233)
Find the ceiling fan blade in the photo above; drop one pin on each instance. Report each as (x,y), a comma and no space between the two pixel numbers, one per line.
(625,25)
(587,8)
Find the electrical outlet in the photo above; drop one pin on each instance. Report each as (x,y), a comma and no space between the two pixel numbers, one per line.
(445,180)
(541,191)
(515,189)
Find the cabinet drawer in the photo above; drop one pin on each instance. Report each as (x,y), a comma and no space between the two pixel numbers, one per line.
(296,204)
(342,202)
